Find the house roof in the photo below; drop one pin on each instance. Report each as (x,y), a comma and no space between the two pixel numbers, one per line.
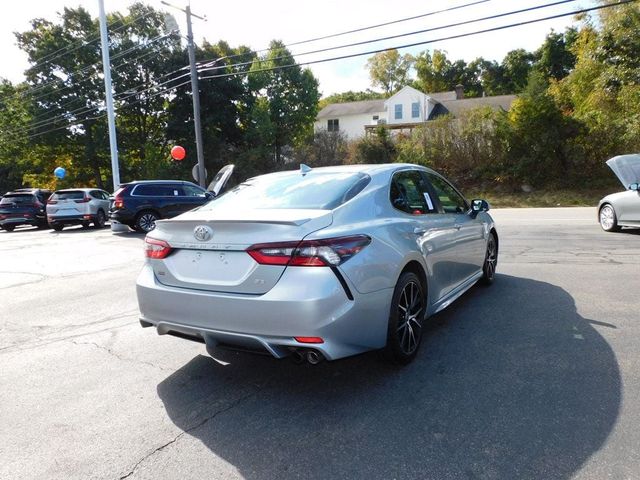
(457,107)
(352,108)
(445,103)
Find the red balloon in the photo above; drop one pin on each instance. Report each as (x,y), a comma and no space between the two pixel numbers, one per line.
(178,153)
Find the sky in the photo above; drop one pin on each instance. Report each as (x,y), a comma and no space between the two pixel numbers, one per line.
(255,23)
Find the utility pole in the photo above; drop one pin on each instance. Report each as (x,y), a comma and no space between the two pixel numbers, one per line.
(195,92)
(106,66)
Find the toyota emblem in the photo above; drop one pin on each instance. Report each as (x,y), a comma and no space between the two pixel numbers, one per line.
(202,233)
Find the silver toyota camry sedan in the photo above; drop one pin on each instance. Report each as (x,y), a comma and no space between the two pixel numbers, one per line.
(318,263)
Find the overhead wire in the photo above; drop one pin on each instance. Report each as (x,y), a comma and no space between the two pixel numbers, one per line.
(370,52)
(425,42)
(391,37)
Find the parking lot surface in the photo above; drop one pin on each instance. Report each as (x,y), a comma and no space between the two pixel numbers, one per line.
(537,376)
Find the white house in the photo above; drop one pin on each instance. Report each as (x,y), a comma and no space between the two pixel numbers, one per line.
(403,111)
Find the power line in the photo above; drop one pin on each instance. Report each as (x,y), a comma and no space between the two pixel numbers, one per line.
(97,117)
(83,42)
(416,44)
(82,110)
(370,27)
(391,37)
(87,68)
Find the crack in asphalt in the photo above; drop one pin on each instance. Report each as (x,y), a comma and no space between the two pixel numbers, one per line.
(189,430)
(120,357)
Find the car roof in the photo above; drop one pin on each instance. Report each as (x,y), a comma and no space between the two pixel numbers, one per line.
(160,182)
(82,189)
(370,169)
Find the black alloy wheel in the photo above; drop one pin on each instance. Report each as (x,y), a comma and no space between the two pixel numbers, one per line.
(490,261)
(146,221)
(405,319)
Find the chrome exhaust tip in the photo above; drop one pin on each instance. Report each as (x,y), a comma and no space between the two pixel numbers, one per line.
(314,357)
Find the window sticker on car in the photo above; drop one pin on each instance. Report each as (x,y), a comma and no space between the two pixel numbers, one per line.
(428,200)
(175,192)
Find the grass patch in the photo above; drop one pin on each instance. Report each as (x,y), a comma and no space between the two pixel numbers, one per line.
(543,198)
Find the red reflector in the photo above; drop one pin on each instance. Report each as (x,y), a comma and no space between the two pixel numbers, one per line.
(309,339)
(157,249)
(87,217)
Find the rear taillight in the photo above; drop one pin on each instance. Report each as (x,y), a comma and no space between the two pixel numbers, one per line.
(329,252)
(51,202)
(157,249)
(118,202)
(84,200)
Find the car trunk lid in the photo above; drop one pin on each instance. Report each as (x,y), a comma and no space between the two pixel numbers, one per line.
(210,251)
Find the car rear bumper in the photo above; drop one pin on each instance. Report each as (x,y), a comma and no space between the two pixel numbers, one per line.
(70,219)
(306,302)
(123,216)
(22,221)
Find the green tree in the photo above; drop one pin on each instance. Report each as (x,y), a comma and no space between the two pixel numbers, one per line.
(555,58)
(350,96)
(290,102)
(389,70)
(516,66)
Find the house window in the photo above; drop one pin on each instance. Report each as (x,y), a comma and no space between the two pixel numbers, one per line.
(398,111)
(332,125)
(376,117)
(415,110)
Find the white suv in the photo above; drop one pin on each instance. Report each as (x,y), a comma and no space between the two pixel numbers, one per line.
(77,206)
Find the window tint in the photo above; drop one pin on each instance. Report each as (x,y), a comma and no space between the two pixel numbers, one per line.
(450,199)
(72,195)
(96,194)
(151,190)
(398,111)
(409,193)
(293,190)
(20,199)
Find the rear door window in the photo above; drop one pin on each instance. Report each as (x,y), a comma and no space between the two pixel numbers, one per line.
(409,193)
(191,191)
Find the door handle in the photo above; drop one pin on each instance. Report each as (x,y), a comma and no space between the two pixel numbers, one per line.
(457,226)
(419,231)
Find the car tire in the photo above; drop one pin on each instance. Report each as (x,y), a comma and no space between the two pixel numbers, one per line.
(608,219)
(100,220)
(404,332)
(9,228)
(490,260)
(57,228)
(146,221)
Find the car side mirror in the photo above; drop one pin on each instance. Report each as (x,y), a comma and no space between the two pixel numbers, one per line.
(635,187)
(478,205)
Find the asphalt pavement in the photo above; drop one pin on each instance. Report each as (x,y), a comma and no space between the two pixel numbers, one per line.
(535,377)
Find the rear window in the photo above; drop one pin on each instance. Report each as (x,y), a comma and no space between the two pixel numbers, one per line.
(71,195)
(19,198)
(316,191)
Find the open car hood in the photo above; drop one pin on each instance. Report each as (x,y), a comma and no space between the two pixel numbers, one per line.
(626,168)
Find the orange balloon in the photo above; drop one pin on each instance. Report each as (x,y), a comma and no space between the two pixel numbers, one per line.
(178,153)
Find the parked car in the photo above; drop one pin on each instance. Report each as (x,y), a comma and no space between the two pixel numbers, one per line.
(140,204)
(25,206)
(622,209)
(318,263)
(78,206)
